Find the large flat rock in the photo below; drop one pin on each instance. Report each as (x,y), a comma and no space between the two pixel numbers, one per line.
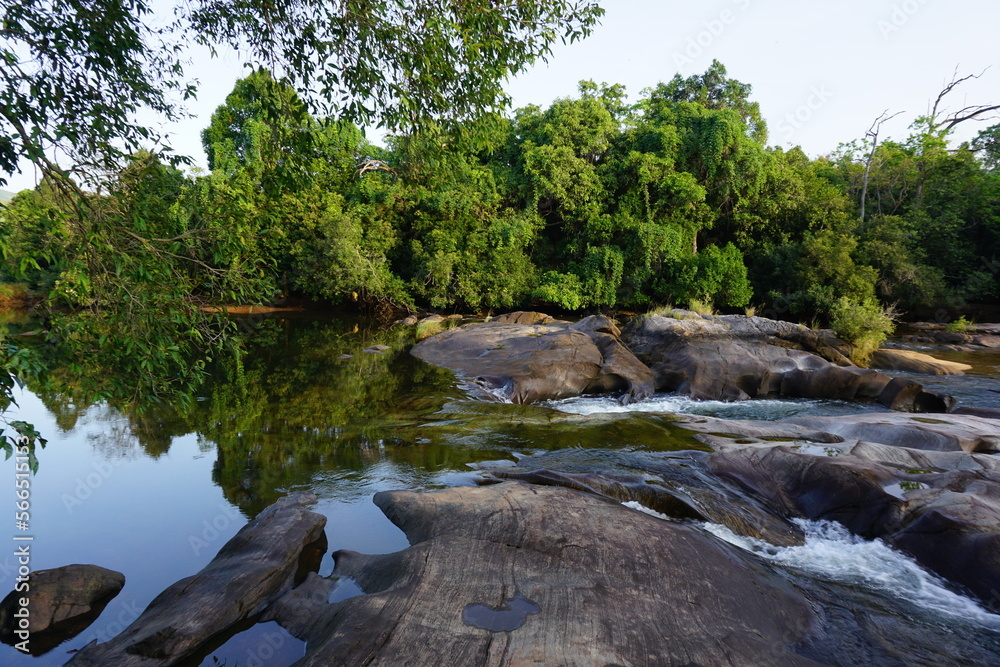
(517,574)
(942,432)
(62,602)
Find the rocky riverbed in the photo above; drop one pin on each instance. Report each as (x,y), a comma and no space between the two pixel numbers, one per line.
(640,554)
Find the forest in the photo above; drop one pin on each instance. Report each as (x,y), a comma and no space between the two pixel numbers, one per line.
(594,203)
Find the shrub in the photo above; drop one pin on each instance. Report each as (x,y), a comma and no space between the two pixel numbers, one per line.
(864,325)
(701,307)
(961,325)
(561,289)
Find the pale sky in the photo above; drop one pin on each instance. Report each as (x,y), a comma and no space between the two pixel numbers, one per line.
(821,71)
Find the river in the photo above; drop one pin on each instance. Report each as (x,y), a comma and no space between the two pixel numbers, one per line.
(155,496)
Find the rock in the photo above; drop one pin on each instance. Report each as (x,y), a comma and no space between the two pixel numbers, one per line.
(754,429)
(968,340)
(834,382)
(918,483)
(725,358)
(908,396)
(688,496)
(733,358)
(795,484)
(408,321)
(916,362)
(528,363)
(919,460)
(945,432)
(815,342)
(978,412)
(620,369)
(523,317)
(377,349)
(254,568)
(954,530)
(513,574)
(63,602)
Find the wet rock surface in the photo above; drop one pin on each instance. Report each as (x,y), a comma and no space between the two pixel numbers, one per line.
(542,563)
(528,357)
(944,432)
(915,362)
(937,499)
(546,570)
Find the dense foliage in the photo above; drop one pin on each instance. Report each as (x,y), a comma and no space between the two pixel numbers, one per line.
(118,233)
(591,203)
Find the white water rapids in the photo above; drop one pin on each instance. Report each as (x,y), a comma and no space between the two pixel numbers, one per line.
(832,553)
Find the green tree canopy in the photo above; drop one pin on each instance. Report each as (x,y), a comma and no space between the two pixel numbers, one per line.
(76,72)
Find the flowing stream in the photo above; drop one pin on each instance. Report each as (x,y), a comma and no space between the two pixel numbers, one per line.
(155,496)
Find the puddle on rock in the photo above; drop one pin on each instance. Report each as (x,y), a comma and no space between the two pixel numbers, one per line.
(509,616)
(816,450)
(900,489)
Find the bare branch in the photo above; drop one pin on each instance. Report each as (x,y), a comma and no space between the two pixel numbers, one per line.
(872,134)
(978,112)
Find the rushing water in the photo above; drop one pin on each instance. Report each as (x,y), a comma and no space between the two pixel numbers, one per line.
(763,409)
(155,496)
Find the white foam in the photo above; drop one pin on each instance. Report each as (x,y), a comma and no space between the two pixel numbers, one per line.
(767,409)
(833,553)
(645,510)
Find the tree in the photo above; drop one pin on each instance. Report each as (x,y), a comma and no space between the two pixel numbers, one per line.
(987,144)
(76,72)
(872,136)
(715,90)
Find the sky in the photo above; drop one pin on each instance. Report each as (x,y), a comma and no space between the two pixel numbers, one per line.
(821,71)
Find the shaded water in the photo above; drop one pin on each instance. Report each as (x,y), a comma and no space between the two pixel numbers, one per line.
(155,496)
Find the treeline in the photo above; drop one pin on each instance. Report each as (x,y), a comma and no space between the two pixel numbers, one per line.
(592,203)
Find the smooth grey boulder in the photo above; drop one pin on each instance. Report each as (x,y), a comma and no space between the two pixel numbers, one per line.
(528,358)
(942,432)
(916,362)
(953,528)
(823,488)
